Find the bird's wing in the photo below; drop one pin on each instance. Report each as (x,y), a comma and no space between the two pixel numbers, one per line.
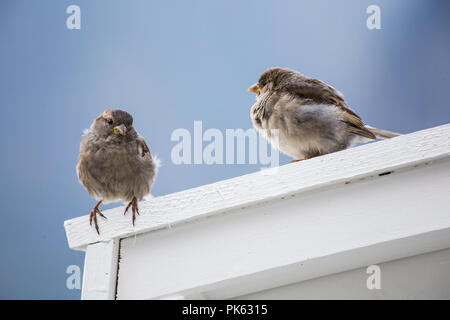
(321,93)
(143,149)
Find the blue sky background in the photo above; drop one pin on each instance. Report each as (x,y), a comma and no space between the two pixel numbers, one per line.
(172,62)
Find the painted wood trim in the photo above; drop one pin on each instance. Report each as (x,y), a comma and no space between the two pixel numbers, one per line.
(100,271)
(310,235)
(344,166)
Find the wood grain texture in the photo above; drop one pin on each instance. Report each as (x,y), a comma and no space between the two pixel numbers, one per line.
(344,166)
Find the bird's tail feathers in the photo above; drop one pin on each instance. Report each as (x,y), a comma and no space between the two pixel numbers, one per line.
(382,134)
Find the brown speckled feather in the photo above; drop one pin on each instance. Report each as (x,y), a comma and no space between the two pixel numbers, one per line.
(143,149)
(321,93)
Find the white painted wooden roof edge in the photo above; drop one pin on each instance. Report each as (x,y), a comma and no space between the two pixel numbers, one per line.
(240,192)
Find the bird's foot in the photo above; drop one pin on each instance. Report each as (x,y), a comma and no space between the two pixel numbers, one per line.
(134,208)
(306,158)
(93,216)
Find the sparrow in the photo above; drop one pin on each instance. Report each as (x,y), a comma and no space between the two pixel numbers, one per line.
(305,118)
(115,163)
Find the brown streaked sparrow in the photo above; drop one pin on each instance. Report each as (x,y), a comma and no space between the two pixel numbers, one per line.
(310,117)
(115,163)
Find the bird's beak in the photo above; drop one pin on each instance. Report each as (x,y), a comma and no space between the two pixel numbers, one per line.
(120,130)
(255,88)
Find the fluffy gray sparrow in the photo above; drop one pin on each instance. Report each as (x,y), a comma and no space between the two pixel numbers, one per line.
(115,163)
(311,117)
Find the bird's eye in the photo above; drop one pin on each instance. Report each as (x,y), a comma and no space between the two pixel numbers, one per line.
(110,121)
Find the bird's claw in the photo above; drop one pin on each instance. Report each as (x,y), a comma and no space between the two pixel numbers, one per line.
(93,216)
(134,209)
